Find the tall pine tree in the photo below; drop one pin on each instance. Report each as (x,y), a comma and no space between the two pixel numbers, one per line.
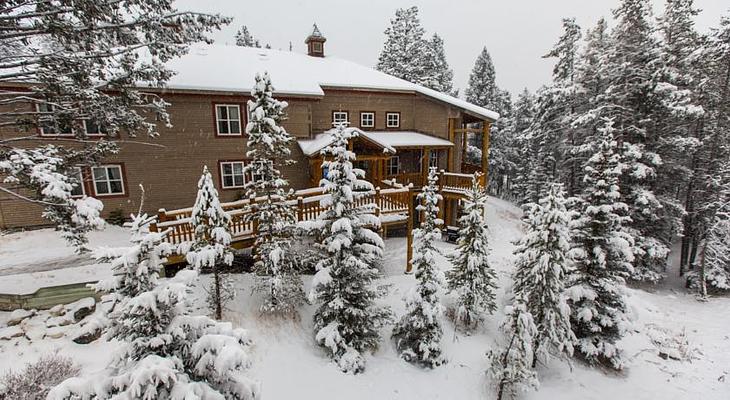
(347,319)
(439,76)
(602,255)
(541,271)
(405,52)
(418,333)
(268,149)
(471,277)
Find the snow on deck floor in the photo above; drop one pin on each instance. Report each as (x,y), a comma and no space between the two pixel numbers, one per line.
(290,365)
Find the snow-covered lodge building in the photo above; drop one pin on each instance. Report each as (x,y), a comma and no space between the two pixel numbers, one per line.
(405,128)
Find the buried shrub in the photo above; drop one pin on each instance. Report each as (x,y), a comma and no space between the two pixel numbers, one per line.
(35,380)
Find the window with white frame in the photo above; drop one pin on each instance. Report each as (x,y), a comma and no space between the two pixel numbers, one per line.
(367,119)
(46,123)
(393,166)
(232,175)
(228,119)
(108,180)
(93,128)
(339,117)
(433,160)
(392,120)
(78,189)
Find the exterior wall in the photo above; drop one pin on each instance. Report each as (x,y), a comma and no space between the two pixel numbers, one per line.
(170,173)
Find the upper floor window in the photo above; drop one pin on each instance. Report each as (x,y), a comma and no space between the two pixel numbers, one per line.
(392,120)
(228,119)
(46,125)
(92,128)
(433,160)
(367,119)
(232,175)
(258,177)
(108,180)
(339,117)
(393,166)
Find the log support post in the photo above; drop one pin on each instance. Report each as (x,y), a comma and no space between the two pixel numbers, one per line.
(486,125)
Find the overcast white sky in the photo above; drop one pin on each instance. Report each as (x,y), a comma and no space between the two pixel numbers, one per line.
(516,32)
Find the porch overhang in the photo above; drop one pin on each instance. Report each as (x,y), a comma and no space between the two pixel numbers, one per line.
(388,141)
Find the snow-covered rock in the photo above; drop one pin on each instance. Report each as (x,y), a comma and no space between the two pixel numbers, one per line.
(63,320)
(17,316)
(56,332)
(57,310)
(91,329)
(11,332)
(82,308)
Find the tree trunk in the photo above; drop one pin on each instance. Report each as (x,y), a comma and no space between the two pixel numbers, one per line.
(701,274)
(217,289)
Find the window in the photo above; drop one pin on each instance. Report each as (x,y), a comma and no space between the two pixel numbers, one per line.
(228,119)
(367,120)
(339,117)
(392,120)
(78,190)
(317,47)
(108,180)
(393,166)
(46,122)
(433,161)
(92,128)
(257,177)
(232,175)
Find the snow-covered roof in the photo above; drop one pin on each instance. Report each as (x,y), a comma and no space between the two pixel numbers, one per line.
(387,140)
(233,68)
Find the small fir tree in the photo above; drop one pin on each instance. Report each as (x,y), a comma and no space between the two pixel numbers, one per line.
(211,248)
(602,255)
(244,38)
(268,148)
(418,333)
(166,353)
(347,319)
(511,368)
(471,277)
(541,269)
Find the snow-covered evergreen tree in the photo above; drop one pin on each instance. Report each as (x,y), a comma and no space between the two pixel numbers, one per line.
(405,51)
(268,150)
(211,248)
(602,256)
(541,270)
(511,368)
(418,333)
(347,319)
(166,352)
(472,278)
(438,75)
(81,61)
(519,148)
(482,89)
(244,38)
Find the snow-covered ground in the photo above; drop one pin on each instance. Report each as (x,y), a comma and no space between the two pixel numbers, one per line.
(290,365)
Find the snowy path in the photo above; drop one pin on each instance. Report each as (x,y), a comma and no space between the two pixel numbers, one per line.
(290,365)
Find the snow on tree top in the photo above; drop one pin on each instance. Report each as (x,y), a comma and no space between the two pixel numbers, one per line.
(233,69)
(387,140)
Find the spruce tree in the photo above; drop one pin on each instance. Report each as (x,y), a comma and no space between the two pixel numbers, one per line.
(511,367)
(482,89)
(602,256)
(245,39)
(541,270)
(519,153)
(418,333)
(404,53)
(471,277)
(268,149)
(439,76)
(165,353)
(714,263)
(211,247)
(347,319)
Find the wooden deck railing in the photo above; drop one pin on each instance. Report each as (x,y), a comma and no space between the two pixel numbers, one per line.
(306,203)
(453,181)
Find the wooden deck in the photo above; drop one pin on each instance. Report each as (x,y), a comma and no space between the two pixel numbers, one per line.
(394,207)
